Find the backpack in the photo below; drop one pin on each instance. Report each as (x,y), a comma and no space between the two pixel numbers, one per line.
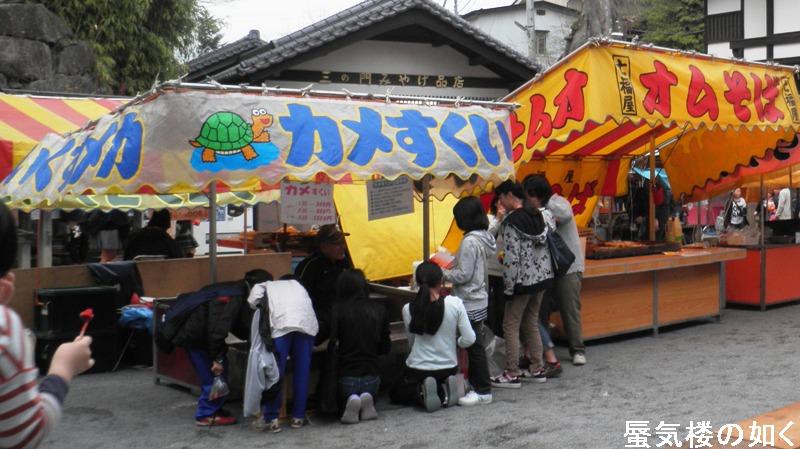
(172,322)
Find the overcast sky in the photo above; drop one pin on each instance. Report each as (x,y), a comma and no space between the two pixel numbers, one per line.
(276,18)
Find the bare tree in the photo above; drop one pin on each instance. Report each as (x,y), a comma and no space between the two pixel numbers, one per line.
(600,18)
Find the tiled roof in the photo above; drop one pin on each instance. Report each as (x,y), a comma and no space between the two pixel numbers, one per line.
(356,18)
(231,50)
(521,5)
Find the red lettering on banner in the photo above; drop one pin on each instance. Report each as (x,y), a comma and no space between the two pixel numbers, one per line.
(570,101)
(540,125)
(737,93)
(517,130)
(581,195)
(658,84)
(698,87)
(766,111)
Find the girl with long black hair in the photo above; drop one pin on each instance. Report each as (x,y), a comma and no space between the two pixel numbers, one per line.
(469,277)
(436,326)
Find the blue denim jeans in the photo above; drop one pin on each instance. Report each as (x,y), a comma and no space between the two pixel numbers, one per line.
(299,347)
(547,342)
(201,361)
(349,385)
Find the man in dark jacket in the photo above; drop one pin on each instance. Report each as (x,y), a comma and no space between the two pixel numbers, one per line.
(153,240)
(318,274)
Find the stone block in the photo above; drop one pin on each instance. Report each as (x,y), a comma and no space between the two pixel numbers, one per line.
(76,59)
(25,59)
(32,21)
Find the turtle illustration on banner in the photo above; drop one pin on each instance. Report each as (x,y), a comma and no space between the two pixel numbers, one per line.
(227,141)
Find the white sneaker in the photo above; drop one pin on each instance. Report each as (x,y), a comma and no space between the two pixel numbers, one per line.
(473,398)
(579,359)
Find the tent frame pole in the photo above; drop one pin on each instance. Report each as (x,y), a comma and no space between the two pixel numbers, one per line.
(426,217)
(651,221)
(245,229)
(762,249)
(212,230)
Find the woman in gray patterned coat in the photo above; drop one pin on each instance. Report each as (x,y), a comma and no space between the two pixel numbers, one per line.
(527,273)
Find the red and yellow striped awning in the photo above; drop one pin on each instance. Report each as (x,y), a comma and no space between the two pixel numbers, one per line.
(583,120)
(26,119)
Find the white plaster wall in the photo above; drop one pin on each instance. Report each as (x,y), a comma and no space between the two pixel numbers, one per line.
(501,25)
(755,19)
(558,25)
(755,54)
(397,57)
(378,57)
(723,6)
(787,17)
(786,51)
(720,49)
(398,90)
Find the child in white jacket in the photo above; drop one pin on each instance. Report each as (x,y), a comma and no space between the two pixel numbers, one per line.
(293,326)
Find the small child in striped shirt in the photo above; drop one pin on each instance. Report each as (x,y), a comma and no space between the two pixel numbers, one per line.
(29,409)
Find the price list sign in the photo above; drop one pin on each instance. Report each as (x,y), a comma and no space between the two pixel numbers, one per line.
(307,203)
(389,198)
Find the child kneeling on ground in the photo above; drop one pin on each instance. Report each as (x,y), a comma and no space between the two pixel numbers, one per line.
(362,330)
(436,326)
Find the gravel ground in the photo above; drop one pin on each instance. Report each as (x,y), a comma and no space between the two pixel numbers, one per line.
(723,372)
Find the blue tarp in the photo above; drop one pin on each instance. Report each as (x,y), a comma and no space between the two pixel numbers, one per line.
(660,172)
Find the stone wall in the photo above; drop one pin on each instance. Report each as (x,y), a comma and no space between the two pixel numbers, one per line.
(40,53)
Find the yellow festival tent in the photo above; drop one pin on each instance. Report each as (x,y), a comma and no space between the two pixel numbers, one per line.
(185,139)
(583,120)
(26,119)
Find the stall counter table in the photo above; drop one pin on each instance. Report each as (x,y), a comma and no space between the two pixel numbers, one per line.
(765,277)
(631,294)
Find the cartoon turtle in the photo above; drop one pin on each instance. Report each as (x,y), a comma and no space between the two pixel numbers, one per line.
(227,133)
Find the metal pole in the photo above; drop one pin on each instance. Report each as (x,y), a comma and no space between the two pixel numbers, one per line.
(245,229)
(651,221)
(699,205)
(212,230)
(44,247)
(426,217)
(24,242)
(763,251)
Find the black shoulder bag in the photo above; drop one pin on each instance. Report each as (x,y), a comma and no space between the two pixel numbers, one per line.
(560,254)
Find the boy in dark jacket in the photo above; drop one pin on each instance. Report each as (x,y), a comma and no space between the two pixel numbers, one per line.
(203,335)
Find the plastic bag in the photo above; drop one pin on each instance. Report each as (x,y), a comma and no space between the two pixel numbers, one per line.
(219,389)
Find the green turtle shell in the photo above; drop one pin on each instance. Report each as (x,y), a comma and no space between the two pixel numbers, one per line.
(225,131)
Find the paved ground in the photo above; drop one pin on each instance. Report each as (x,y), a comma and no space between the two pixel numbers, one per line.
(722,372)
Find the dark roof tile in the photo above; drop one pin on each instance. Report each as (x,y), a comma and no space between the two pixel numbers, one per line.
(356,18)
(233,49)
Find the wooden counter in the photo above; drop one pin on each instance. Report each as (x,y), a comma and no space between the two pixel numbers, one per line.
(631,294)
(765,277)
(160,278)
